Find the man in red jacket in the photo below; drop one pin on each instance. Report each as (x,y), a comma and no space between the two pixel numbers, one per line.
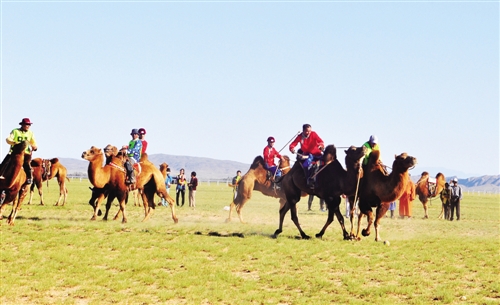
(311,146)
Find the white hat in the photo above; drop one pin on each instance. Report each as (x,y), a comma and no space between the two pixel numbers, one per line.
(373,139)
(455,180)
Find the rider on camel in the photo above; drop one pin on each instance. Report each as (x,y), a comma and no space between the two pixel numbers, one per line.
(18,135)
(311,149)
(269,154)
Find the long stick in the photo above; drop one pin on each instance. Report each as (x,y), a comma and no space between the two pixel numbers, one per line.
(290,141)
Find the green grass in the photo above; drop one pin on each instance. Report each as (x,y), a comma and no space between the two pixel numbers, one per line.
(56,255)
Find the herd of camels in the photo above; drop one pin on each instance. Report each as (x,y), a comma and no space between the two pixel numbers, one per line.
(369,185)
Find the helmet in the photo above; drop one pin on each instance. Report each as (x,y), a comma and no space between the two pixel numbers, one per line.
(134,131)
(142,131)
(271,139)
(373,139)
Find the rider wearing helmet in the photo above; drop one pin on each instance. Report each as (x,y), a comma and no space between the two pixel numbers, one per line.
(134,151)
(142,133)
(269,154)
(371,144)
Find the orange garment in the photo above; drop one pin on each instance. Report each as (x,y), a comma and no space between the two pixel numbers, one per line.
(406,199)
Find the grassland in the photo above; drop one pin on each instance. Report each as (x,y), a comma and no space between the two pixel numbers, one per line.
(56,255)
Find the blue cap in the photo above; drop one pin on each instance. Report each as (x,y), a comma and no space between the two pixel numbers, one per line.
(134,131)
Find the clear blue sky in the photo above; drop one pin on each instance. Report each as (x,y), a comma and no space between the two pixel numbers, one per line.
(215,79)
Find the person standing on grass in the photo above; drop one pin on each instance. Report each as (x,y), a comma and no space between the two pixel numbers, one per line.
(445,200)
(456,197)
(181,187)
(235,182)
(405,201)
(193,183)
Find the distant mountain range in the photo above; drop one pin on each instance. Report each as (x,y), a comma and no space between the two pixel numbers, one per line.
(213,169)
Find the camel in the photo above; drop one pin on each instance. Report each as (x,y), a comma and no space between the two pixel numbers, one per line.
(13,187)
(379,190)
(332,181)
(426,190)
(257,179)
(44,170)
(112,178)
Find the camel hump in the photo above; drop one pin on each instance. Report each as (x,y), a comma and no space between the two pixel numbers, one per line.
(54,160)
(374,157)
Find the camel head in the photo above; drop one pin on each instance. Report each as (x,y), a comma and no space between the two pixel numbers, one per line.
(354,155)
(258,161)
(330,153)
(92,153)
(403,162)
(284,162)
(110,150)
(20,147)
(163,167)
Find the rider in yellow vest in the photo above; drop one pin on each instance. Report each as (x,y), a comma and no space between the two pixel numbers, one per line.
(19,135)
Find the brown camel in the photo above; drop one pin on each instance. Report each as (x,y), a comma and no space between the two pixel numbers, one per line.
(379,190)
(258,178)
(112,178)
(44,170)
(13,187)
(331,182)
(426,190)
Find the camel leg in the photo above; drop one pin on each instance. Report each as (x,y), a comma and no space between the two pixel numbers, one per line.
(340,219)
(231,208)
(441,215)
(122,209)
(295,219)
(171,203)
(108,206)
(283,212)
(32,190)
(369,215)
(360,218)
(381,210)
(425,210)
(149,205)
(329,220)
(16,205)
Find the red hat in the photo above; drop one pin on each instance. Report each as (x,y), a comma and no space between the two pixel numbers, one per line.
(142,131)
(25,121)
(270,139)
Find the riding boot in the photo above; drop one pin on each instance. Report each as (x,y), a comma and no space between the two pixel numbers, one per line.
(392,214)
(130,173)
(29,173)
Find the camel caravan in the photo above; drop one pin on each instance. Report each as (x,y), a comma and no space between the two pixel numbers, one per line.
(365,181)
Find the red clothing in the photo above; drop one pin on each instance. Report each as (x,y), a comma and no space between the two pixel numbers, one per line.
(269,155)
(309,145)
(144,146)
(406,199)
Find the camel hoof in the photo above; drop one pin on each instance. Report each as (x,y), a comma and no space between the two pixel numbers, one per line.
(93,218)
(425,217)
(99,213)
(228,220)
(176,220)
(365,233)
(276,233)
(319,235)
(304,236)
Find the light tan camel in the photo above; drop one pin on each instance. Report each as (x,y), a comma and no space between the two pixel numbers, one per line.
(257,178)
(379,190)
(13,187)
(112,178)
(45,170)
(426,190)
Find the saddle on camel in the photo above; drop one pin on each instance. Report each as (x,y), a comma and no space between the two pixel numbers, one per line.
(260,179)
(13,187)
(378,189)
(427,188)
(332,180)
(110,180)
(45,170)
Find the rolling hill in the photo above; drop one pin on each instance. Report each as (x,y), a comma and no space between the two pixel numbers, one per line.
(213,169)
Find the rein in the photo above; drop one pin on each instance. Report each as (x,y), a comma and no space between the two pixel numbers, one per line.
(116,166)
